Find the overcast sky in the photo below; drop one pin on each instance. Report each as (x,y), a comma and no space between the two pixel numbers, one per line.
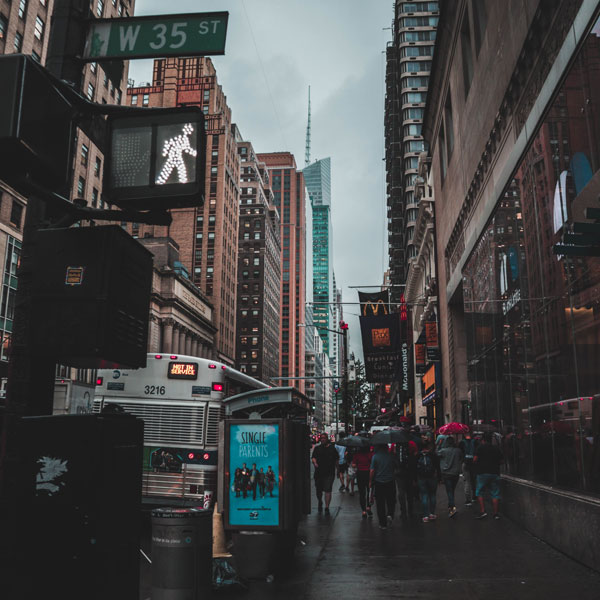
(275,49)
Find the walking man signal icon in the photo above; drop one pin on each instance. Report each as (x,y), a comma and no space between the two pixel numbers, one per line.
(173,150)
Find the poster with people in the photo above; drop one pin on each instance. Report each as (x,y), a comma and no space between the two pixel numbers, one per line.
(254,475)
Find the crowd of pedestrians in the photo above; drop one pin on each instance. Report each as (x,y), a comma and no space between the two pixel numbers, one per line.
(409,473)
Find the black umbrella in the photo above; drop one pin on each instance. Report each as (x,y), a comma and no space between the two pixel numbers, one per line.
(390,436)
(354,441)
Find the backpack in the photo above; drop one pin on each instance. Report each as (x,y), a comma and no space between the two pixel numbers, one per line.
(425,466)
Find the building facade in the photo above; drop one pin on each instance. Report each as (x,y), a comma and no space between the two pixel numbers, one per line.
(519,322)
(408,64)
(207,235)
(259,269)
(317,176)
(180,315)
(287,184)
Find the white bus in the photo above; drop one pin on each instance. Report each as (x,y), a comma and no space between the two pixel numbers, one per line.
(180,399)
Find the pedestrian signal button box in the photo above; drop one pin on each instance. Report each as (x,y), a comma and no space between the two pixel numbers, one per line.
(156,159)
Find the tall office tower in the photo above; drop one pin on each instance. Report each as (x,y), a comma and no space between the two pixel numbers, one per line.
(207,235)
(25,29)
(318,184)
(287,183)
(337,347)
(316,361)
(259,270)
(409,56)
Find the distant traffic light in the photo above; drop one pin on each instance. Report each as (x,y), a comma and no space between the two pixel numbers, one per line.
(156,159)
(343,325)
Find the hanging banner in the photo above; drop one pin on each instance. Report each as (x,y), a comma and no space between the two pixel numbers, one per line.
(381,347)
(420,354)
(432,341)
(372,305)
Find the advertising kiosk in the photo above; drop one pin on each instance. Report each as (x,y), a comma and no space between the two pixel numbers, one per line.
(264,485)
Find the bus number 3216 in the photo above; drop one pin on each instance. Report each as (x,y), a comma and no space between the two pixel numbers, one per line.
(157,390)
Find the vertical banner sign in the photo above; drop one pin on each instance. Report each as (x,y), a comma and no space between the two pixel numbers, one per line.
(420,355)
(431,336)
(372,305)
(254,492)
(381,347)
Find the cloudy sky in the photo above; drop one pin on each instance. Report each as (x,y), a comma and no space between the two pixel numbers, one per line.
(275,49)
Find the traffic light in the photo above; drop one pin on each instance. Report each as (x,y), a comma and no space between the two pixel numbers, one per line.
(156,159)
(343,325)
(35,125)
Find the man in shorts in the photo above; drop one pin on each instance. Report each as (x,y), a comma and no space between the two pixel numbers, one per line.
(324,459)
(487,461)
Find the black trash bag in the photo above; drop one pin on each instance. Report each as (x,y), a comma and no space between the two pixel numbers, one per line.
(224,575)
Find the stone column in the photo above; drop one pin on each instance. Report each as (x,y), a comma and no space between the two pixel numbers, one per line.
(175,339)
(181,341)
(167,336)
(188,343)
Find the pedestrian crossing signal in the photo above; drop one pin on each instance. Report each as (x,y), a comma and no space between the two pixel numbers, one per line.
(156,159)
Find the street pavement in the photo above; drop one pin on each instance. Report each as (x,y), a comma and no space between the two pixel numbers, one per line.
(459,558)
(343,556)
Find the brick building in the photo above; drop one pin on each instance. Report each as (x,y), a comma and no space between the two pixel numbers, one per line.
(287,183)
(259,269)
(207,235)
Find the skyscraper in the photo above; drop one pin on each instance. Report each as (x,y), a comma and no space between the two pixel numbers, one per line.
(409,57)
(287,183)
(207,235)
(318,184)
(259,269)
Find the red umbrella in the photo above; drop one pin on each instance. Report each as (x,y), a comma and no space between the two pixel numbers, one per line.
(450,428)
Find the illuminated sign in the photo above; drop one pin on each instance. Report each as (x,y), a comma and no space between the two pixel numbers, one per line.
(74,275)
(403,308)
(183,370)
(156,159)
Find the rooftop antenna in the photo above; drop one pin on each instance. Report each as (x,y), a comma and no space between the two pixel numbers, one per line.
(307,151)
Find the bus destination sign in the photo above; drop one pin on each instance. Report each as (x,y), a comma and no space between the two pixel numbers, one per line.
(183,370)
(197,34)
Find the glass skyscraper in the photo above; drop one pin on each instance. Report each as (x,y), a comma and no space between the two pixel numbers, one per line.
(317,177)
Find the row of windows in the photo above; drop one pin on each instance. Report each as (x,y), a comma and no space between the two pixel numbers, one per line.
(417,36)
(407,51)
(419,21)
(409,7)
(414,82)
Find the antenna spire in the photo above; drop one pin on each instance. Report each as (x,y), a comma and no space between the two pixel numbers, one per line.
(307,151)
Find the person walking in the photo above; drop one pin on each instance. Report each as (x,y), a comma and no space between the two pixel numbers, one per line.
(324,459)
(487,459)
(381,480)
(450,467)
(428,475)
(468,445)
(341,465)
(406,476)
(361,461)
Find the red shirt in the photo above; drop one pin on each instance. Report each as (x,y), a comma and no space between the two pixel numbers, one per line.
(362,460)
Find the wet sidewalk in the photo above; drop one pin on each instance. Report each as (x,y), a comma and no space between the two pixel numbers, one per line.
(459,558)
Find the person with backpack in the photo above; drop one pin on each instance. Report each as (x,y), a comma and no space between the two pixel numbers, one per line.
(450,467)
(468,445)
(428,475)
(405,476)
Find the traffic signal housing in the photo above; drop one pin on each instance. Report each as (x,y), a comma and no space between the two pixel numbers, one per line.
(156,159)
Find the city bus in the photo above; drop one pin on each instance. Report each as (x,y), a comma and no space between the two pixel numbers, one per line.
(180,400)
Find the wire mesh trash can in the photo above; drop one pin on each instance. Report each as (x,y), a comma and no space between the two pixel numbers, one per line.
(181,553)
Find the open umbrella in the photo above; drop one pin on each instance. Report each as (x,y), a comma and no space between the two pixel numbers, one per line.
(451,428)
(390,436)
(354,441)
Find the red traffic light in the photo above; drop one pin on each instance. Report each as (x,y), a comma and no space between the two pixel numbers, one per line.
(343,325)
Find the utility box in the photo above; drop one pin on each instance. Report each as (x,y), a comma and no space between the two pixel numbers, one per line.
(78,519)
(90,297)
(35,125)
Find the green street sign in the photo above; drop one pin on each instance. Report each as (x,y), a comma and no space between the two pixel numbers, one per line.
(198,34)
